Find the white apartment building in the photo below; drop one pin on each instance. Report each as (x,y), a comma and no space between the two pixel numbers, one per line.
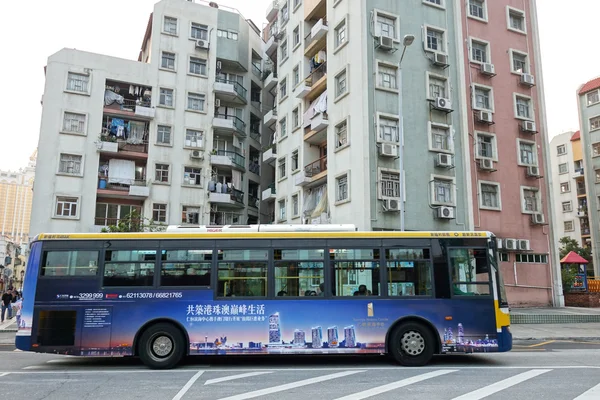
(175,135)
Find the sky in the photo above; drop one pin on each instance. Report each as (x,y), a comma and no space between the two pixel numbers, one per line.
(116,28)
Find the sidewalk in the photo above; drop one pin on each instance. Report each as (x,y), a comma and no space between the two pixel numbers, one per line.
(548,315)
(9,325)
(580,332)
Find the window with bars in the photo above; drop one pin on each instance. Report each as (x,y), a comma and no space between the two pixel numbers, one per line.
(74,122)
(170,25)
(283,127)
(163,134)
(166,97)
(192,176)
(390,184)
(485,146)
(594,123)
(282,210)
(479,51)
(435,40)
(440,138)
(162,173)
(387,76)
(531,258)
(477,8)
(341,185)
(341,134)
(70,164)
(340,84)
(530,200)
(190,215)
(296,75)
(159,212)
(442,190)
(527,153)
(593,97)
(516,20)
(66,207)
(197,66)
(78,82)
(523,106)
(283,49)
(296,117)
(340,34)
(196,101)
(295,163)
(282,88)
(386,25)
(194,138)
(388,130)
(281,168)
(490,195)
(483,99)
(296,36)
(561,149)
(563,168)
(569,226)
(167,60)
(437,87)
(199,31)
(567,206)
(519,62)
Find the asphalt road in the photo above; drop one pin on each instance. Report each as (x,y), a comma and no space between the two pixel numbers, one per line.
(538,370)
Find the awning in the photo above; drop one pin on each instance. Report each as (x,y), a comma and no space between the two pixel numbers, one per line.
(573,258)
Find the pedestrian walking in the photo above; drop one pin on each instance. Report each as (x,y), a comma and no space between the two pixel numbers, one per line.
(6,304)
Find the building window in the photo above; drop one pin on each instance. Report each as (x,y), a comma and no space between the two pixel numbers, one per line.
(283,128)
(159,212)
(341,84)
(490,195)
(386,76)
(389,184)
(340,34)
(530,200)
(437,86)
(594,123)
(341,188)
(199,31)
(486,146)
(67,207)
(441,139)
(564,187)
(296,75)
(523,107)
(341,134)
(504,257)
(283,48)
(193,138)
(281,168)
(166,97)
(73,122)
(563,168)
(162,173)
(516,20)
(519,62)
(598,176)
(388,130)
(295,162)
(167,60)
(527,153)
(78,82)
(483,98)
(283,89)
(569,226)
(561,149)
(435,40)
(295,205)
(386,25)
(196,101)
(593,97)
(192,176)
(479,51)
(297,3)
(296,117)
(282,210)
(435,2)
(477,9)
(170,25)
(567,206)
(70,164)
(296,36)
(443,191)
(163,134)
(227,34)
(190,215)
(197,66)
(532,258)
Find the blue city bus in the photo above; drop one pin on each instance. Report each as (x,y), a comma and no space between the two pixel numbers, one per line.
(264,289)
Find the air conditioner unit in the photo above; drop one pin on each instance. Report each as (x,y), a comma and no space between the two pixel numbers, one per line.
(485,116)
(217,102)
(528,126)
(440,59)
(527,79)
(537,219)
(523,245)
(533,171)
(443,160)
(385,42)
(486,164)
(445,212)
(388,150)
(201,44)
(390,205)
(488,69)
(510,244)
(197,154)
(443,104)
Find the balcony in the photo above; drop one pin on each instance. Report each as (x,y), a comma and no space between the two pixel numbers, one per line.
(313,174)
(254,167)
(581,191)
(255,134)
(229,124)
(319,122)
(230,91)
(316,39)
(134,189)
(126,150)
(270,117)
(226,218)
(256,69)
(578,173)
(228,159)
(253,201)
(233,198)
(272,10)
(270,80)
(317,81)
(272,43)
(270,154)
(582,212)
(314,9)
(269,193)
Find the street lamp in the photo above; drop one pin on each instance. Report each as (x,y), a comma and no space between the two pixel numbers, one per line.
(407,41)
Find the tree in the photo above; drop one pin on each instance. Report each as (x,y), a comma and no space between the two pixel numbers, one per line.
(569,271)
(134,222)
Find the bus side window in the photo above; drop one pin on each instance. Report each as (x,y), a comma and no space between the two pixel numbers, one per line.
(470,272)
(242,273)
(409,272)
(356,272)
(129,267)
(186,268)
(299,272)
(70,263)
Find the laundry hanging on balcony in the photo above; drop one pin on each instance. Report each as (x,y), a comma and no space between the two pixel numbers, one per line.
(236,179)
(110,97)
(121,172)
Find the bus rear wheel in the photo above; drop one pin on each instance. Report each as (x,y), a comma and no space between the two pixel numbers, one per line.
(412,344)
(162,346)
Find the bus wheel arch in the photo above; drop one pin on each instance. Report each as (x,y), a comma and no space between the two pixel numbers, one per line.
(161,331)
(416,324)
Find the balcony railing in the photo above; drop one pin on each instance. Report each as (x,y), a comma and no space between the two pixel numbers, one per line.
(237,196)
(316,167)
(272,187)
(255,134)
(580,191)
(309,37)
(256,71)
(266,74)
(237,123)
(226,218)
(316,74)
(236,158)
(239,89)
(123,186)
(254,167)
(253,201)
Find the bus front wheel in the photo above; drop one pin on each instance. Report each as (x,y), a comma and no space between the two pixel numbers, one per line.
(412,344)
(162,346)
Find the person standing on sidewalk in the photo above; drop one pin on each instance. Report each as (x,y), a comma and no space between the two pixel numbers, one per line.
(6,304)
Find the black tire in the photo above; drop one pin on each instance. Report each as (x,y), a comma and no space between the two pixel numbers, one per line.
(161,346)
(412,344)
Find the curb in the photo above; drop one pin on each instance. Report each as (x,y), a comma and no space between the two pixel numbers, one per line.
(574,338)
(518,319)
(8,330)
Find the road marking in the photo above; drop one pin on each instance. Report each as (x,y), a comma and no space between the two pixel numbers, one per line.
(4,374)
(503,384)
(188,385)
(592,394)
(232,377)
(287,386)
(542,344)
(395,385)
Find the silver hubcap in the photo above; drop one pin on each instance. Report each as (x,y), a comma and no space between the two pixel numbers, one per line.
(162,346)
(412,343)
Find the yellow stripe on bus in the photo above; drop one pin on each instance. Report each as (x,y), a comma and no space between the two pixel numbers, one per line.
(502,319)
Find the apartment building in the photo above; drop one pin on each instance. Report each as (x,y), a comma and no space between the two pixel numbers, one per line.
(571,213)
(175,135)
(421,114)
(588,96)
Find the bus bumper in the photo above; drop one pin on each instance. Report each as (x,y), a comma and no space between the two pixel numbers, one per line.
(23,343)
(505,339)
